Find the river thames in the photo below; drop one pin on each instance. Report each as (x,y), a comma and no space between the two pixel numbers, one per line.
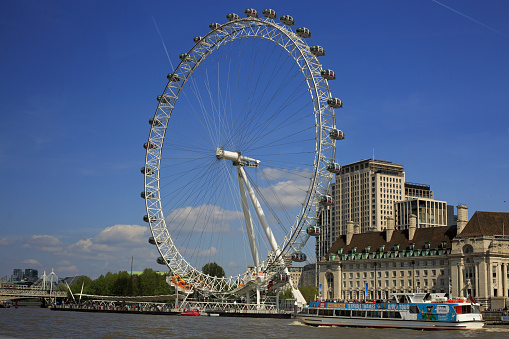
(31,322)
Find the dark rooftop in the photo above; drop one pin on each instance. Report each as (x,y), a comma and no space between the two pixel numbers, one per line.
(486,223)
(433,235)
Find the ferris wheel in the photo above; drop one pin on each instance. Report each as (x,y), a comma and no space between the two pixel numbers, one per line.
(240,154)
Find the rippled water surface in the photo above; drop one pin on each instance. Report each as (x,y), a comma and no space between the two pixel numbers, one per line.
(30,322)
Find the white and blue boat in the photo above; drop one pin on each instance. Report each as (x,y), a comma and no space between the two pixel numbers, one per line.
(421,311)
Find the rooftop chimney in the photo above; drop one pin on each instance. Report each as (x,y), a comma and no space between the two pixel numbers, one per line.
(356,229)
(412,226)
(390,229)
(349,232)
(462,218)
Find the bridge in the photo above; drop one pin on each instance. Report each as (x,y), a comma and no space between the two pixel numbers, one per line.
(17,292)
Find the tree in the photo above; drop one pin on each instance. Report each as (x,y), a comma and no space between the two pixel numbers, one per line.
(309,293)
(213,270)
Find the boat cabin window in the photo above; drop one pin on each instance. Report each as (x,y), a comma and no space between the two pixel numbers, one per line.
(343,313)
(358,313)
(325,312)
(373,314)
(414,309)
(313,311)
(391,314)
(463,309)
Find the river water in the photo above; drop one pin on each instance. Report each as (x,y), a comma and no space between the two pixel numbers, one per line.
(31,322)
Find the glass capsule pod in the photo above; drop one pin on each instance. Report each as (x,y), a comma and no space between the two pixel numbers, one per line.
(198,39)
(336,134)
(251,12)
(147,170)
(148,195)
(161,261)
(155,122)
(313,231)
(281,277)
(163,98)
(333,167)
(185,57)
(317,50)
(325,200)
(303,32)
(214,25)
(173,77)
(334,103)
(298,257)
(232,16)
(146,218)
(287,20)
(153,241)
(328,74)
(269,13)
(149,145)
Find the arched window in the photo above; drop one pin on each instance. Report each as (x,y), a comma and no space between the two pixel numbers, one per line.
(468,249)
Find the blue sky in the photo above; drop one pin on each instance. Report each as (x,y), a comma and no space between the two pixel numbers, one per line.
(424,84)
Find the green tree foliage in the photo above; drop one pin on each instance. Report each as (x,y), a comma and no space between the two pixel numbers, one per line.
(122,284)
(213,270)
(309,293)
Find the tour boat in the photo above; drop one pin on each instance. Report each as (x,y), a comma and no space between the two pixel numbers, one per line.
(421,311)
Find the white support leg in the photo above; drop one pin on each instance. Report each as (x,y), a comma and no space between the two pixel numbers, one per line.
(270,236)
(249,222)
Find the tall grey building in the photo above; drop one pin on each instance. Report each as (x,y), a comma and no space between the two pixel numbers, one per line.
(370,192)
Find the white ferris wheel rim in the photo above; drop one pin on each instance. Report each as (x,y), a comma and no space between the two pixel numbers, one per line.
(319,184)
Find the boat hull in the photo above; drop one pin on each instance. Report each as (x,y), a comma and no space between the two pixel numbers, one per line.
(389,323)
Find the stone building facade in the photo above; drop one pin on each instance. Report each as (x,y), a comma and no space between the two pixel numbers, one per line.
(467,259)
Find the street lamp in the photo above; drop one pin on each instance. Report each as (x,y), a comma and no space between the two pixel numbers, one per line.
(375,296)
(413,275)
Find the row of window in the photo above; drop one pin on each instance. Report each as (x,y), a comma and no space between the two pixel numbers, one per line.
(359,284)
(394,274)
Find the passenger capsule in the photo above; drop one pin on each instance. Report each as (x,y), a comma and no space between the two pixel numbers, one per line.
(214,25)
(336,134)
(298,257)
(333,167)
(147,219)
(303,32)
(313,231)
(148,195)
(325,200)
(334,103)
(198,40)
(317,50)
(155,122)
(251,12)
(328,74)
(185,57)
(161,261)
(269,13)
(287,20)
(149,145)
(153,241)
(147,170)
(173,77)
(165,98)
(280,277)
(232,16)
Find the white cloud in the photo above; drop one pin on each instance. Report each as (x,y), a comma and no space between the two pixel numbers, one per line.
(290,189)
(6,242)
(191,218)
(122,234)
(32,262)
(46,243)
(67,269)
